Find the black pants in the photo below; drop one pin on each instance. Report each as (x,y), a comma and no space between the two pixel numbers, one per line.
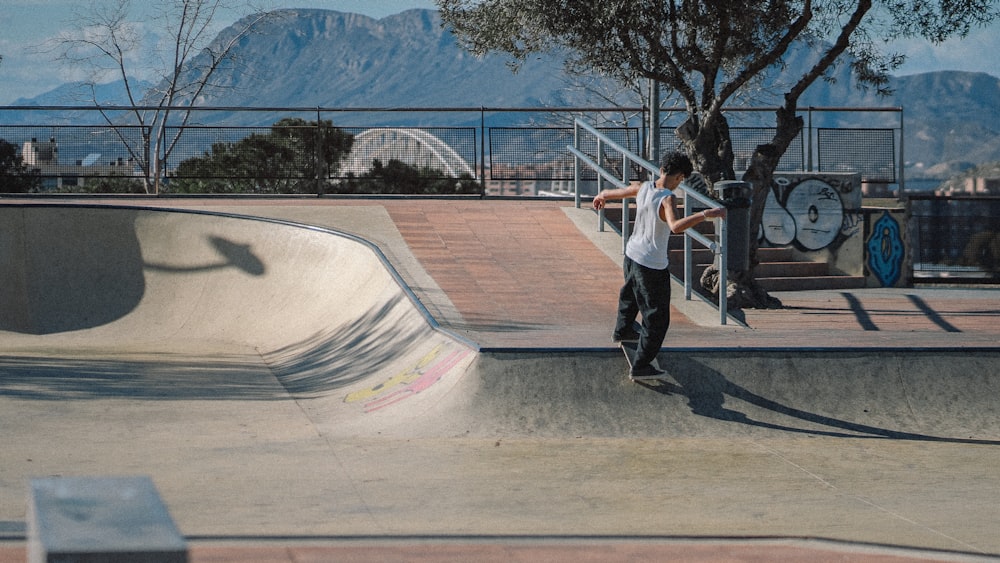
(646,291)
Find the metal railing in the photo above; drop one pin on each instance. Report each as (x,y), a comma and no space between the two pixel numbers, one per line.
(954,239)
(620,178)
(506,151)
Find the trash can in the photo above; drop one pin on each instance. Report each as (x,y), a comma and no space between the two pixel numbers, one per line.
(736,197)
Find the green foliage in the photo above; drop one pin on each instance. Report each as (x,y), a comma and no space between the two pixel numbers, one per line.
(295,156)
(397,177)
(15,177)
(107,185)
(710,53)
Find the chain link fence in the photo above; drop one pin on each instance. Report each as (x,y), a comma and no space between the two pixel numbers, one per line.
(481,151)
(486,151)
(955,239)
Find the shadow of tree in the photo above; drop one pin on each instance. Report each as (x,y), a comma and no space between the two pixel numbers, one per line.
(70,274)
(363,347)
(322,363)
(232,254)
(167,377)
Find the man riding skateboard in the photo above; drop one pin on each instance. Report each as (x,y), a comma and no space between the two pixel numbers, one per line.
(647,279)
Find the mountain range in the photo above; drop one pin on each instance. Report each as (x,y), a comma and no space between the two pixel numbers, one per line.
(321,58)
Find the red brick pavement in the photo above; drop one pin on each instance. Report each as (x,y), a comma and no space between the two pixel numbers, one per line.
(519,273)
(902,311)
(551,552)
(510,262)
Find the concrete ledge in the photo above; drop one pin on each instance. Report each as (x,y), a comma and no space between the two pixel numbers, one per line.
(100,519)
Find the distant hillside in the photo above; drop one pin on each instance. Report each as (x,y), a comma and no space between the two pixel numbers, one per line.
(325,58)
(81,94)
(952,120)
(310,58)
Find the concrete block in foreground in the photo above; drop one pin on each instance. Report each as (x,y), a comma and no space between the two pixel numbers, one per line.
(100,519)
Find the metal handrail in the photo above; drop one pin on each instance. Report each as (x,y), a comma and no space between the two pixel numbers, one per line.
(628,157)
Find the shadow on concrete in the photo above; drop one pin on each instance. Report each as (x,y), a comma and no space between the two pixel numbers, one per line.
(361,348)
(168,378)
(931,314)
(864,319)
(67,269)
(323,363)
(707,391)
(64,274)
(234,255)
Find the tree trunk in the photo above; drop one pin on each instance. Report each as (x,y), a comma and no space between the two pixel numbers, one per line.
(742,291)
(708,144)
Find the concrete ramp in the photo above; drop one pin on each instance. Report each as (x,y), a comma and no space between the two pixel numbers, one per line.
(279,382)
(145,275)
(322,313)
(320,309)
(920,396)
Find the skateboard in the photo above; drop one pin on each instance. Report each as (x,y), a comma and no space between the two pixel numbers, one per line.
(630,349)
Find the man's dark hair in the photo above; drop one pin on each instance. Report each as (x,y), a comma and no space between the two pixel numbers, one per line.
(674,162)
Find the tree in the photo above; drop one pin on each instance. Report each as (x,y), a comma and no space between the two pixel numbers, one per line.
(107,185)
(398,177)
(708,53)
(295,156)
(15,176)
(109,41)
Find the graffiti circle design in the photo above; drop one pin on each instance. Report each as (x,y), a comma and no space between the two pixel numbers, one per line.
(818,213)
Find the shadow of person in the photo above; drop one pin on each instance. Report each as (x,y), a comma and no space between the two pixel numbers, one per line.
(232,255)
(239,256)
(707,392)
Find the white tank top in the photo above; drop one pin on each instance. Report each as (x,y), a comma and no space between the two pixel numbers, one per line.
(648,244)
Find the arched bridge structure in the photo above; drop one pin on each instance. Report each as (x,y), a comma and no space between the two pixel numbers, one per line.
(412,146)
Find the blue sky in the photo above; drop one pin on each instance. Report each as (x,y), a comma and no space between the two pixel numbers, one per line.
(26,24)
(25,72)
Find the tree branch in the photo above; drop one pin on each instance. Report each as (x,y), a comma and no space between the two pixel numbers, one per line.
(772,55)
(831,55)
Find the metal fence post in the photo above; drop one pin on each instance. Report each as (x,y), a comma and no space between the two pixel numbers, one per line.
(809,139)
(723,270)
(626,226)
(576,168)
(318,168)
(902,161)
(482,149)
(687,254)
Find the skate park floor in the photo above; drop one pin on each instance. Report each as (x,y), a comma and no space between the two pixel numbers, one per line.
(433,379)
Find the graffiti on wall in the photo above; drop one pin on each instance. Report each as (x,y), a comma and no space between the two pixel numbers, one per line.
(886,250)
(807,211)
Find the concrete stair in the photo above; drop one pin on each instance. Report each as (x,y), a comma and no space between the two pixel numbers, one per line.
(778,269)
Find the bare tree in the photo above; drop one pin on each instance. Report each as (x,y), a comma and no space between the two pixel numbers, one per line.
(708,52)
(184,61)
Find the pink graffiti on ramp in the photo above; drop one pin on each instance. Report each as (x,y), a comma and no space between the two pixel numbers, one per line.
(428,378)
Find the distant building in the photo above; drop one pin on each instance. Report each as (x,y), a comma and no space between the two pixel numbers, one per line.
(540,188)
(877,190)
(40,154)
(44,157)
(975,185)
